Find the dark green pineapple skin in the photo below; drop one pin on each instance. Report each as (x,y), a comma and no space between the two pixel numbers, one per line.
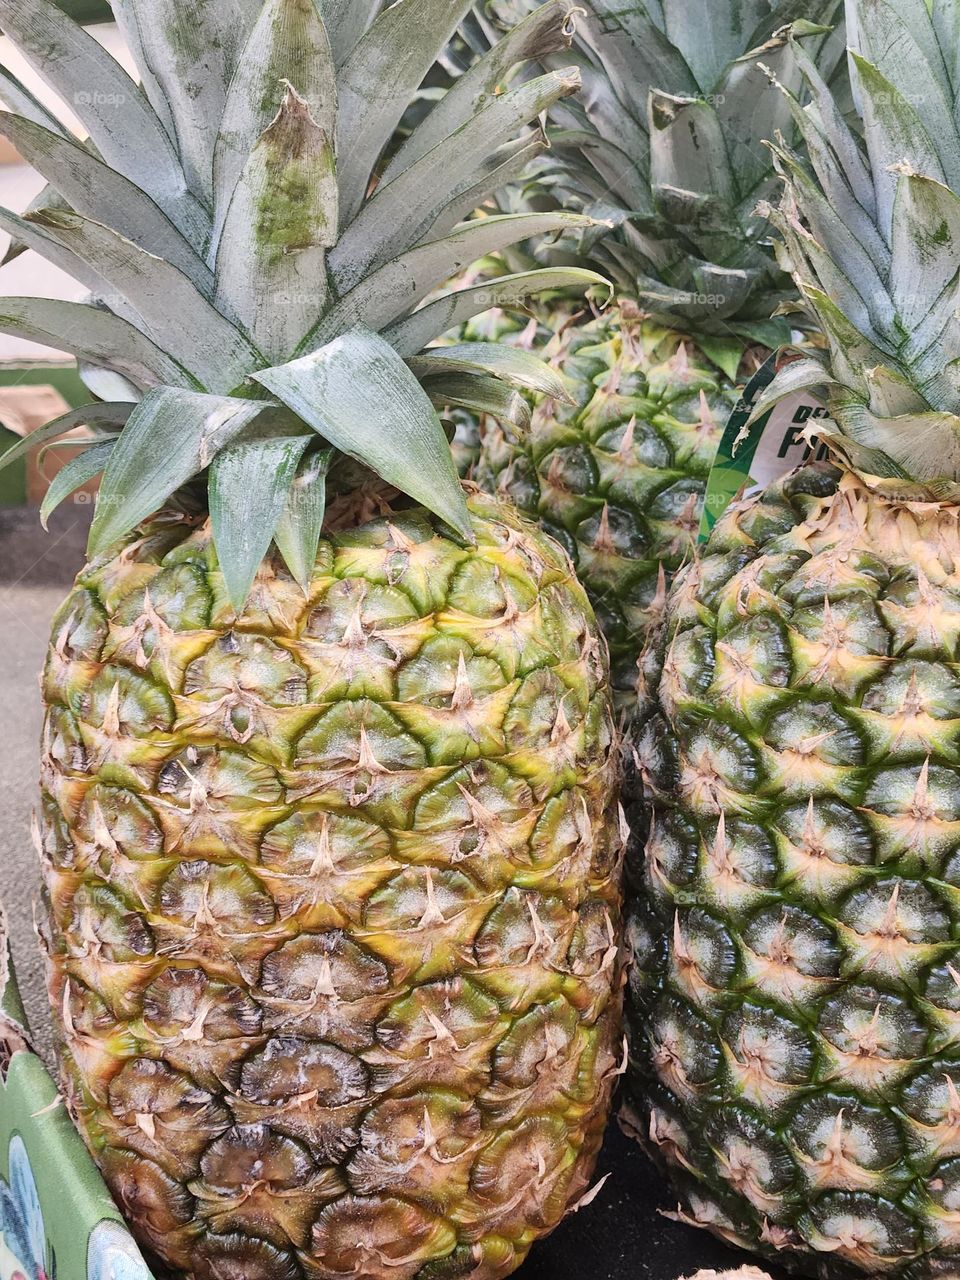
(794,922)
(618,476)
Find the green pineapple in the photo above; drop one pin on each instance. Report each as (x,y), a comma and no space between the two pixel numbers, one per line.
(796,1001)
(328,830)
(664,144)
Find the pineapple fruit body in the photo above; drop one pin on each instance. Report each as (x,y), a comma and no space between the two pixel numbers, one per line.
(795,998)
(619,475)
(331,897)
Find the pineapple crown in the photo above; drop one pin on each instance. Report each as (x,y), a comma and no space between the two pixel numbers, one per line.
(871,231)
(259,252)
(665,145)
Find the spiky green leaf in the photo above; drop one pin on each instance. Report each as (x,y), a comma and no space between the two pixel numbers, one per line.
(377,81)
(170,436)
(520,369)
(192,48)
(688,149)
(895,135)
(436,185)
(74,473)
(249,484)
(122,124)
(18,98)
(114,415)
(393,289)
(298,530)
(410,335)
(92,335)
(271,265)
(479,394)
(361,397)
(97,191)
(546,31)
(174,313)
(347,21)
(288,43)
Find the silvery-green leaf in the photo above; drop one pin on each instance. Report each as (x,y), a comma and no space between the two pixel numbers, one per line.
(934,343)
(946,22)
(394,218)
(192,48)
(249,484)
(107,384)
(124,13)
(361,397)
(891,394)
(92,335)
(84,416)
(34,236)
(377,81)
(750,108)
(506,166)
(797,375)
(72,475)
(410,335)
(545,31)
(121,122)
(46,198)
(842,140)
(298,530)
(520,369)
(895,135)
(174,313)
(900,41)
(170,436)
(480,395)
(862,311)
(926,245)
(837,240)
(346,22)
(925,445)
(850,352)
(18,98)
(288,43)
(710,39)
(393,289)
(271,266)
(630,43)
(687,146)
(836,192)
(96,191)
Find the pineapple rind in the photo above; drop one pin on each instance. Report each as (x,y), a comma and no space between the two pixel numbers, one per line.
(793,927)
(331,897)
(618,476)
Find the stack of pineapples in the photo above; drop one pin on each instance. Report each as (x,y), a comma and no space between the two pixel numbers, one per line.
(329,829)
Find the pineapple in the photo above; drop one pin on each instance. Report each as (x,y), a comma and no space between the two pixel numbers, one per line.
(795,930)
(665,145)
(328,833)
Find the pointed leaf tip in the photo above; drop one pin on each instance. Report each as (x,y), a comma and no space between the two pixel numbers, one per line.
(360,396)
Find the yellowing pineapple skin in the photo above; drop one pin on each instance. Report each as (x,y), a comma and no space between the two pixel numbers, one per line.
(795,1057)
(332,898)
(618,476)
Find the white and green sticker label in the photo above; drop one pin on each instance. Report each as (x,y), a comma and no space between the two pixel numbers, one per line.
(750,459)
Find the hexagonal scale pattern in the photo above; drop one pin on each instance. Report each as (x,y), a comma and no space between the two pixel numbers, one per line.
(332,897)
(795,924)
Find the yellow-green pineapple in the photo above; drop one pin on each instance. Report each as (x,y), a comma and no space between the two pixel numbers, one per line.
(665,145)
(795,1057)
(328,832)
